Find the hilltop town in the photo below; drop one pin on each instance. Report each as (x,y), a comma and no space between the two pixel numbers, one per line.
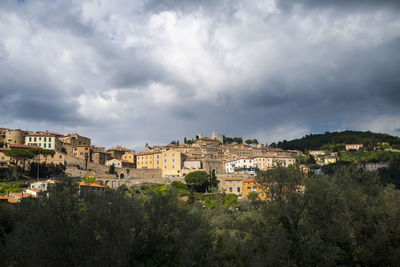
(233,163)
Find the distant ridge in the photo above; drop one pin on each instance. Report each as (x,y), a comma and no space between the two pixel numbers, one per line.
(315,141)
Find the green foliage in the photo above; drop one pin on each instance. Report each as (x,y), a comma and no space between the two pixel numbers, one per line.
(90,179)
(11,187)
(335,140)
(231,200)
(230,140)
(251,141)
(198,180)
(346,218)
(252,196)
(182,188)
(111,170)
(368,156)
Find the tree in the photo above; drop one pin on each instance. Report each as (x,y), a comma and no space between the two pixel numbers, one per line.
(111,170)
(249,141)
(213,179)
(197,180)
(311,159)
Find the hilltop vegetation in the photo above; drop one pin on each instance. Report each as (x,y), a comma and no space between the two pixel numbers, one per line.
(317,141)
(347,218)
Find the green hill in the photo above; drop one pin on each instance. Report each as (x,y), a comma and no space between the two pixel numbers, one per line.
(316,141)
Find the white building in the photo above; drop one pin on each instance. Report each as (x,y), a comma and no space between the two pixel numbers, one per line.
(117,163)
(239,164)
(45,141)
(374,166)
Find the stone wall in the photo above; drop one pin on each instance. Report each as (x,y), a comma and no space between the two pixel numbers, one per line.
(102,170)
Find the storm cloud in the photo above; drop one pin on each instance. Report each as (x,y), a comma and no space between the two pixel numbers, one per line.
(129,72)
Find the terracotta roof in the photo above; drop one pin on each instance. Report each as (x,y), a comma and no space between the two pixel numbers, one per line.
(4,149)
(42,134)
(250,180)
(91,184)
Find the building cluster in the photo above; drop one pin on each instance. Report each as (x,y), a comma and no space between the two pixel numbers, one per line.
(46,187)
(210,154)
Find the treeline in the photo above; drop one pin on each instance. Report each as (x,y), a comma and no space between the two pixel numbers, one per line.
(347,218)
(316,141)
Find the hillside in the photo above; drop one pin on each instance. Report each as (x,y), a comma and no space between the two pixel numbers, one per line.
(315,141)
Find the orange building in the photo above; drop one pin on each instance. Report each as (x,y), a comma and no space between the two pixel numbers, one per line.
(252,185)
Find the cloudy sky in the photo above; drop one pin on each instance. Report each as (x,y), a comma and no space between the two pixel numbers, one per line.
(129,72)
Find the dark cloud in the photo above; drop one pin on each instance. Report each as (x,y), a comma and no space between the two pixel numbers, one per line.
(162,70)
(349,5)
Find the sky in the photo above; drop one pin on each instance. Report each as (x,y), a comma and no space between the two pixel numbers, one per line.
(129,72)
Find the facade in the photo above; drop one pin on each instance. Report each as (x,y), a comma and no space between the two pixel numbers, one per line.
(44,141)
(353,146)
(216,165)
(100,157)
(75,140)
(118,151)
(329,159)
(15,137)
(233,166)
(267,162)
(4,159)
(252,185)
(128,157)
(233,185)
(192,163)
(169,161)
(317,152)
(82,151)
(117,163)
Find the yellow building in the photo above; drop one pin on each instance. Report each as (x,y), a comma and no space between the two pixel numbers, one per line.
(329,159)
(128,157)
(252,185)
(169,161)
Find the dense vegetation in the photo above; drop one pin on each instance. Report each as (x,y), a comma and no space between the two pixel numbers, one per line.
(316,141)
(347,218)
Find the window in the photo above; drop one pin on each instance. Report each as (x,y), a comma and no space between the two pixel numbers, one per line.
(30,139)
(40,138)
(173,160)
(44,139)
(173,166)
(34,139)
(248,188)
(230,189)
(158,162)
(49,145)
(165,160)
(86,148)
(158,156)
(238,189)
(81,153)
(44,145)
(49,140)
